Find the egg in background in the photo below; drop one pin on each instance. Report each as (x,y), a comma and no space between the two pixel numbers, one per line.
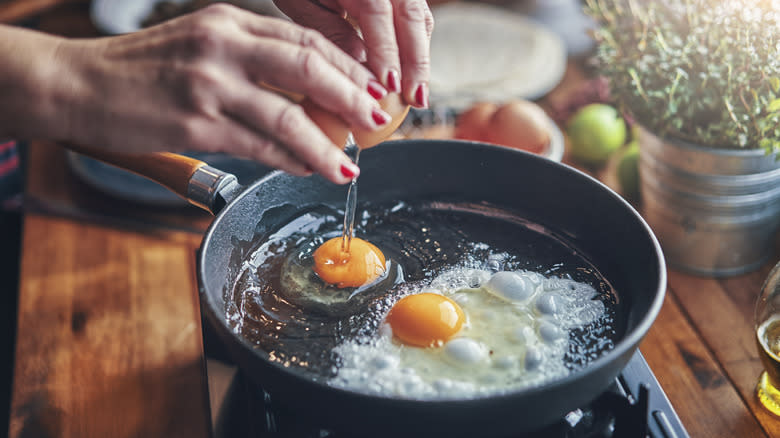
(472,124)
(516,123)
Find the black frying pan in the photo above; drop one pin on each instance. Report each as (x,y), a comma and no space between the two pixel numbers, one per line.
(587,214)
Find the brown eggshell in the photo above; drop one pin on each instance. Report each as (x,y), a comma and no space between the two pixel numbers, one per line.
(332,125)
(338,130)
(472,123)
(393,105)
(520,124)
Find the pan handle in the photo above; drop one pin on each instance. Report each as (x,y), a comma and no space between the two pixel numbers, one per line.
(210,188)
(192,179)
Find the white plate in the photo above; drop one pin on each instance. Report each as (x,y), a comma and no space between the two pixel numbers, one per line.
(486,53)
(124,16)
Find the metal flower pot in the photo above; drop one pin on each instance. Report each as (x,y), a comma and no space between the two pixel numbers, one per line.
(715,211)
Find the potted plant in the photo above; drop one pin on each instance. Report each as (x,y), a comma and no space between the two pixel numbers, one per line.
(702,80)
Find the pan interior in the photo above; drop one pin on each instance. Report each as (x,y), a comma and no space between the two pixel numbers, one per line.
(421,239)
(501,185)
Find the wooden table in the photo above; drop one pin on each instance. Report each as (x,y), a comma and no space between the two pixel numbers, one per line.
(109,337)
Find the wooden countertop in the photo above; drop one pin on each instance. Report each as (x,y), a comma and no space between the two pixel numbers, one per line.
(109,338)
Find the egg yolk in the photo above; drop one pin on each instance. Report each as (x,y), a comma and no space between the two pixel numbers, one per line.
(425,320)
(362,264)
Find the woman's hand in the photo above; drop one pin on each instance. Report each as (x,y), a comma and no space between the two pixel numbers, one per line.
(192,84)
(395,41)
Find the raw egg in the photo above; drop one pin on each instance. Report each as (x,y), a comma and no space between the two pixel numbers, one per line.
(361,265)
(472,124)
(392,105)
(425,319)
(520,124)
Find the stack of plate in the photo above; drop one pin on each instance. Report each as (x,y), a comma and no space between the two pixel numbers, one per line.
(486,53)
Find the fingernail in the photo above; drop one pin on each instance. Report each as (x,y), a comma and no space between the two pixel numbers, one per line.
(393,81)
(309,169)
(421,96)
(380,117)
(350,170)
(375,89)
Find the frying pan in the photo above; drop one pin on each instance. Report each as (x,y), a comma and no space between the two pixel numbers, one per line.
(581,210)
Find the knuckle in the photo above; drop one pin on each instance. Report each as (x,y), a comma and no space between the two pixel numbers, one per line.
(357,72)
(210,29)
(359,103)
(311,38)
(310,62)
(429,22)
(204,38)
(199,81)
(191,133)
(201,75)
(288,121)
(420,66)
(261,149)
(378,7)
(219,9)
(319,159)
(414,11)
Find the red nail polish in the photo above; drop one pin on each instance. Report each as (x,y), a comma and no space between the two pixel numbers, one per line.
(421,96)
(375,89)
(380,117)
(393,81)
(347,172)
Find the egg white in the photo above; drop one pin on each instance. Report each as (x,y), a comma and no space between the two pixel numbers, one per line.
(516,335)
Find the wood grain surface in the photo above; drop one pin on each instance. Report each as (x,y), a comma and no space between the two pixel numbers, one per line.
(109,331)
(698,388)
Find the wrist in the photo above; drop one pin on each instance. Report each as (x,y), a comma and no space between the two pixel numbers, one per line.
(37,84)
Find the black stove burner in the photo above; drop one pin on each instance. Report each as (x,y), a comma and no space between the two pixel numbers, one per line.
(634,406)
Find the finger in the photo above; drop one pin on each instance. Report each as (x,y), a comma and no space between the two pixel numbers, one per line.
(235,138)
(304,70)
(414,26)
(290,57)
(305,37)
(287,124)
(229,135)
(375,18)
(330,20)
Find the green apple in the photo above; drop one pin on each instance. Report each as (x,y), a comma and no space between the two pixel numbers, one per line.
(628,170)
(595,131)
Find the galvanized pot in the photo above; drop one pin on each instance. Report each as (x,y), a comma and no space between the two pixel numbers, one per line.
(715,211)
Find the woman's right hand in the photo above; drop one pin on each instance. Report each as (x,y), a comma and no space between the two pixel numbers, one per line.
(192,84)
(392,36)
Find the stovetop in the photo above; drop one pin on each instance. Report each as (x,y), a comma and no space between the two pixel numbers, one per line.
(633,406)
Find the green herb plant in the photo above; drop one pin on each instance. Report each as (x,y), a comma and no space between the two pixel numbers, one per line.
(704,71)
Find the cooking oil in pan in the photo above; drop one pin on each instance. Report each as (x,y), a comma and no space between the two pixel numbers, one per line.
(280,305)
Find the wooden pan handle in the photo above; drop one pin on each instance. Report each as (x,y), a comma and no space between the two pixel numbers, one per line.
(168,169)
